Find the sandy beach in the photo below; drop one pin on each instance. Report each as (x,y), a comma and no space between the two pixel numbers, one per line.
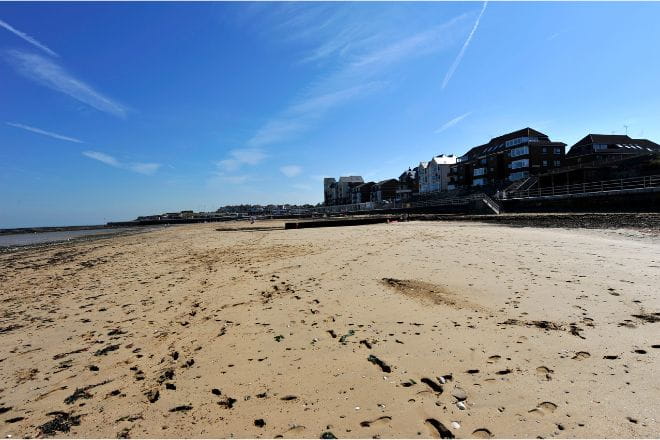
(417,329)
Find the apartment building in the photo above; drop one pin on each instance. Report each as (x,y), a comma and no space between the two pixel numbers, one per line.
(339,192)
(384,190)
(408,184)
(434,174)
(606,147)
(507,158)
(362,193)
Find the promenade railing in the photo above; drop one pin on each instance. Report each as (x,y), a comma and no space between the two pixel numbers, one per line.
(603,186)
(371,207)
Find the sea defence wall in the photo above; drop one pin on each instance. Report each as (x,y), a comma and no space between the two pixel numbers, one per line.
(642,201)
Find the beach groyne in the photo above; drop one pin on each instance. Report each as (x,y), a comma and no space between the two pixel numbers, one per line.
(336,222)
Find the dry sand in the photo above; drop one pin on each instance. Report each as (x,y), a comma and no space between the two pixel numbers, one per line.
(362,331)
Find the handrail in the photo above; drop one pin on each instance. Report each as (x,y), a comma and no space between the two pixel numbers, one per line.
(627,184)
(492,204)
(376,206)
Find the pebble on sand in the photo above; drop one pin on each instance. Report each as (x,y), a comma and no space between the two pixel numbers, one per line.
(459,394)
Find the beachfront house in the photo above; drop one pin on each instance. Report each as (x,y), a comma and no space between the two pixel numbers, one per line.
(608,147)
(339,192)
(604,157)
(385,190)
(329,191)
(362,192)
(408,184)
(507,158)
(434,174)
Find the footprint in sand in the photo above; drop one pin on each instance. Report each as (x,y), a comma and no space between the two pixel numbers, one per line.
(481,433)
(581,355)
(384,420)
(296,430)
(544,409)
(434,386)
(437,429)
(544,372)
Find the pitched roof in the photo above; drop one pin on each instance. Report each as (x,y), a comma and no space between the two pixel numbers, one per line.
(498,142)
(382,182)
(613,141)
(363,186)
(527,131)
(442,159)
(351,179)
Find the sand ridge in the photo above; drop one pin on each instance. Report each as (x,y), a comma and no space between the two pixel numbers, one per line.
(416,329)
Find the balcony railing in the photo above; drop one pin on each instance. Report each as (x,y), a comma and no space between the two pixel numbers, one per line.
(603,186)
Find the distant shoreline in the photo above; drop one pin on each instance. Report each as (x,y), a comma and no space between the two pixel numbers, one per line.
(95,234)
(38,229)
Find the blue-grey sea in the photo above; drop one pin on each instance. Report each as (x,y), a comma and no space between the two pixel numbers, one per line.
(10,240)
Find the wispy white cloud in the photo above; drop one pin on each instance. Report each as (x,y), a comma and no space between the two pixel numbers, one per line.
(248,156)
(144,168)
(239,157)
(49,74)
(291,170)
(364,59)
(276,130)
(45,133)
(304,113)
(27,38)
(452,122)
(458,59)
(137,167)
(421,43)
(222,174)
(348,40)
(320,103)
(102,157)
(233,180)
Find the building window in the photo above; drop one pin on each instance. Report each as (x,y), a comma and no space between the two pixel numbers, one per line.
(600,147)
(557,150)
(545,163)
(557,163)
(545,150)
(516,141)
(515,152)
(479,171)
(518,175)
(479,182)
(521,163)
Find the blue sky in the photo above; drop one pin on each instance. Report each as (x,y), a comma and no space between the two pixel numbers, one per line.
(113,110)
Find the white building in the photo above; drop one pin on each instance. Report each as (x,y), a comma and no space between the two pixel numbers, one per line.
(339,192)
(434,175)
